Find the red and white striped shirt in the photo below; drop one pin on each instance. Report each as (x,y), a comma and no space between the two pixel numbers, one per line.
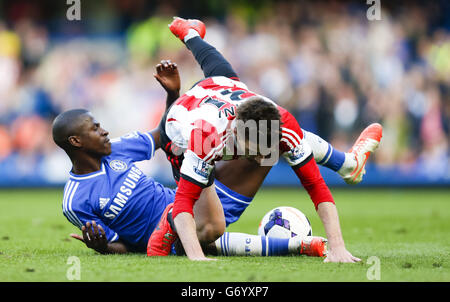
(200,125)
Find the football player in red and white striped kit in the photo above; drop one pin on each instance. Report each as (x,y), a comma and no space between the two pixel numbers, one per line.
(199,133)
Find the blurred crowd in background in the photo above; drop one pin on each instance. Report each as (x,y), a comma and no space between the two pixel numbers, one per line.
(335,70)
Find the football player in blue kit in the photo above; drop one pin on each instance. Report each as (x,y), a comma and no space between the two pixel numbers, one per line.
(117,207)
(105,187)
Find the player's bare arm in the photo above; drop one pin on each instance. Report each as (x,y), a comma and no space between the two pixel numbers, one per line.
(337,251)
(186,229)
(94,237)
(168,76)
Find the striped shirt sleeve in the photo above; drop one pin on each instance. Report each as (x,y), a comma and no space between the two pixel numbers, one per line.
(294,147)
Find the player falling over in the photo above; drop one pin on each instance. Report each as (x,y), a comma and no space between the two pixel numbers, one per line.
(117,207)
(207,116)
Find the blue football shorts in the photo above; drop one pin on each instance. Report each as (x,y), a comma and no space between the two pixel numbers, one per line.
(234,204)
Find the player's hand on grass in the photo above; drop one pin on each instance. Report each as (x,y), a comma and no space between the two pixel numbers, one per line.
(167,75)
(93,236)
(340,254)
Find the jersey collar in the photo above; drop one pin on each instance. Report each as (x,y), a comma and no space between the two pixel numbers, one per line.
(89,175)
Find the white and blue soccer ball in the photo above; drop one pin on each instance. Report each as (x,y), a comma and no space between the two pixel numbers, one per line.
(285,222)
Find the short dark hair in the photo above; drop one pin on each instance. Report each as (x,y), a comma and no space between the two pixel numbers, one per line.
(65,125)
(258,109)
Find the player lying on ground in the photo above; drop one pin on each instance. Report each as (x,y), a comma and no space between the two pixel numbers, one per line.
(212,102)
(230,244)
(84,206)
(114,204)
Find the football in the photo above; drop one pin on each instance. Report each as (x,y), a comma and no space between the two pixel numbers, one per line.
(285,222)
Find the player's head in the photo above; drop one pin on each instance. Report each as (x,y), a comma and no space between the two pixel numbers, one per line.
(77,130)
(258,128)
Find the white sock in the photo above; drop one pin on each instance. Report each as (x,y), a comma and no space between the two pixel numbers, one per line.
(192,33)
(318,145)
(238,244)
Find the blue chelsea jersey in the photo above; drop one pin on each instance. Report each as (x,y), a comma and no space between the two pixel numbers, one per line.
(119,197)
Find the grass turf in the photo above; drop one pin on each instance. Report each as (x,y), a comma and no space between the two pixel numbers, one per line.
(408,230)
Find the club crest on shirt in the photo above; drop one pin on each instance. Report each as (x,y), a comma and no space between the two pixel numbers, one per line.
(133,134)
(118,165)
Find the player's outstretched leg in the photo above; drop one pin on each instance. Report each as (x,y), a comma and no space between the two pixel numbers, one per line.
(240,244)
(350,165)
(191,32)
(163,236)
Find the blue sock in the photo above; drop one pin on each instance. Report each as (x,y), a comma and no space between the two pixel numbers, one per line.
(333,159)
(276,246)
(240,244)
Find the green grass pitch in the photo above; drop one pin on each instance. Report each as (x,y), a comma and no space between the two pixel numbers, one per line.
(408,230)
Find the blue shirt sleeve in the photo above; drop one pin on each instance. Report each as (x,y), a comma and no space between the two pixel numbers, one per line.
(135,145)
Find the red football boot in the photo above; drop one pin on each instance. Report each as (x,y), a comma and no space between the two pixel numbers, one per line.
(180,27)
(162,238)
(313,246)
(366,144)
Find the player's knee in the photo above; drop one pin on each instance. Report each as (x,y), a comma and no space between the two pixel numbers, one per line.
(210,232)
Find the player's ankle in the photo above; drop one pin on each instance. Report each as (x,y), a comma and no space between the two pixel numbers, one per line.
(295,244)
(348,166)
